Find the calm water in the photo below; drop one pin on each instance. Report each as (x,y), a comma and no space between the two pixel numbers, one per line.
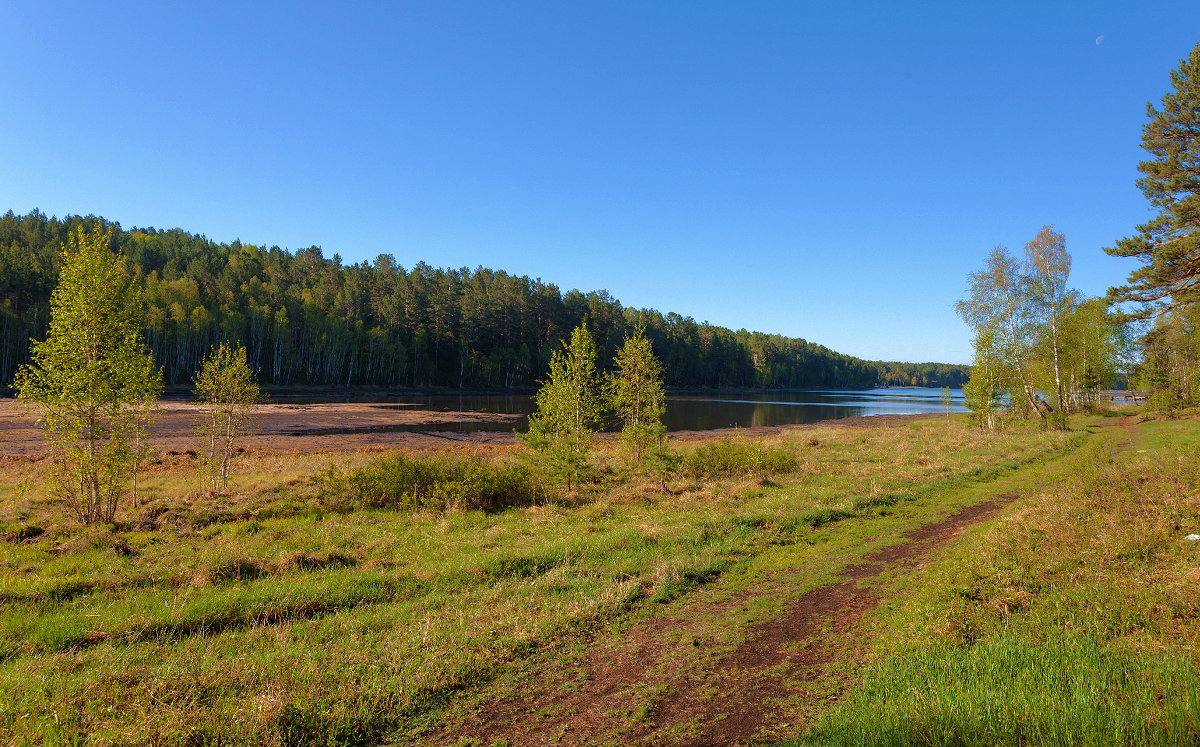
(703,412)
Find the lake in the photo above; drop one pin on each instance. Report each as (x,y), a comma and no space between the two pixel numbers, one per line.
(704,411)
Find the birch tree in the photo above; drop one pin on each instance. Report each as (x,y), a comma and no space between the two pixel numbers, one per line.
(998,300)
(226,388)
(1047,267)
(92,378)
(989,384)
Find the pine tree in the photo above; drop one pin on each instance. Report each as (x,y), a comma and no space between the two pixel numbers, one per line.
(569,409)
(635,394)
(1169,244)
(92,377)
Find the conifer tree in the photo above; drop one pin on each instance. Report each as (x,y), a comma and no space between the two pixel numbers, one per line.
(92,377)
(1169,244)
(635,394)
(569,409)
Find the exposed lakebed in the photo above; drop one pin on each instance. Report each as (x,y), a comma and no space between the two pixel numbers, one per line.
(349,423)
(683,412)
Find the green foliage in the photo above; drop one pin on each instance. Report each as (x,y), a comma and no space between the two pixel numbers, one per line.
(729,457)
(1170,367)
(635,394)
(92,378)
(226,389)
(429,482)
(1048,265)
(1168,245)
(1096,350)
(1039,347)
(892,373)
(308,319)
(569,409)
(998,302)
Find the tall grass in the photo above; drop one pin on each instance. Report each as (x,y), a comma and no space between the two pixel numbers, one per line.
(1012,688)
(429,481)
(729,457)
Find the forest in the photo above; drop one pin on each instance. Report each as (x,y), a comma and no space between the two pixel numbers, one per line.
(311,320)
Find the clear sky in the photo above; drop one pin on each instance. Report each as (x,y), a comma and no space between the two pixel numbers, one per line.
(830,171)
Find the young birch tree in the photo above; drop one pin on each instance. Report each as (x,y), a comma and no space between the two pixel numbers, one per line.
(1047,266)
(227,388)
(985,391)
(1094,350)
(998,300)
(92,377)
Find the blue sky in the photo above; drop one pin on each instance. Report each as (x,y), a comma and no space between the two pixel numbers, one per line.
(828,171)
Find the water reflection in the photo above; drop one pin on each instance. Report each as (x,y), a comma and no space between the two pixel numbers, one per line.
(799,407)
(691,412)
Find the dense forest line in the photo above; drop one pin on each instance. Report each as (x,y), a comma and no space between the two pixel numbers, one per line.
(310,320)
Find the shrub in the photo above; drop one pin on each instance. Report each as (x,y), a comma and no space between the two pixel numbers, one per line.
(435,481)
(1162,403)
(730,458)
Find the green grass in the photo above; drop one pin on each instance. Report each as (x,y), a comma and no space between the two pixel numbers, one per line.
(1063,687)
(729,457)
(1074,620)
(293,613)
(432,481)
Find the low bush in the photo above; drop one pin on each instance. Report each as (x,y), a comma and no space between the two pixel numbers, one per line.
(434,481)
(735,457)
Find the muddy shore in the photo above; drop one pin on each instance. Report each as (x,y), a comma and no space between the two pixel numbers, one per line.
(344,426)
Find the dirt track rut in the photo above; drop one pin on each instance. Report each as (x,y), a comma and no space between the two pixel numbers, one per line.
(654,684)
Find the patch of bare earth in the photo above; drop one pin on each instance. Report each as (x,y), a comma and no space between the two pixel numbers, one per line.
(346,426)
(666,680)
(295,428)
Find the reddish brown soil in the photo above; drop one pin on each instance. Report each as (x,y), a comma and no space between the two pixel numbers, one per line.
(640,688)
(303,428)
(285,427)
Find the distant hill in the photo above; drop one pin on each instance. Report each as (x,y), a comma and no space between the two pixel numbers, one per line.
(310,320)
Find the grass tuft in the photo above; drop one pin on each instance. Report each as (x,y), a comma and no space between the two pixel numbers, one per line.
(433,481)
(730,457)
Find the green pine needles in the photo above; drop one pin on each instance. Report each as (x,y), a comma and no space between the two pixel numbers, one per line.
(92,377)
(572,405)
(635,393)
(569,409)
(1168,245)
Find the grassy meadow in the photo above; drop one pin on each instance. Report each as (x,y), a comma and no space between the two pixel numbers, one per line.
(323,601)
(1073,620)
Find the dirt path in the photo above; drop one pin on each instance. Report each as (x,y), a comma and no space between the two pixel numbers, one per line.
(667,680)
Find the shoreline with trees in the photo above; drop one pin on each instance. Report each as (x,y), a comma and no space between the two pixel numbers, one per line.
(308,320)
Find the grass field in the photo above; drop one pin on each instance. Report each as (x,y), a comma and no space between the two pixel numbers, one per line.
(289,612)
(1072,621)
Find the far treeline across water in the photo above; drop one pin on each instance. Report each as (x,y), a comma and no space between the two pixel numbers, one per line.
(306,320)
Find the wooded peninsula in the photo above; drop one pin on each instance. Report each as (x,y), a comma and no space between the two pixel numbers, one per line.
(309,320)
